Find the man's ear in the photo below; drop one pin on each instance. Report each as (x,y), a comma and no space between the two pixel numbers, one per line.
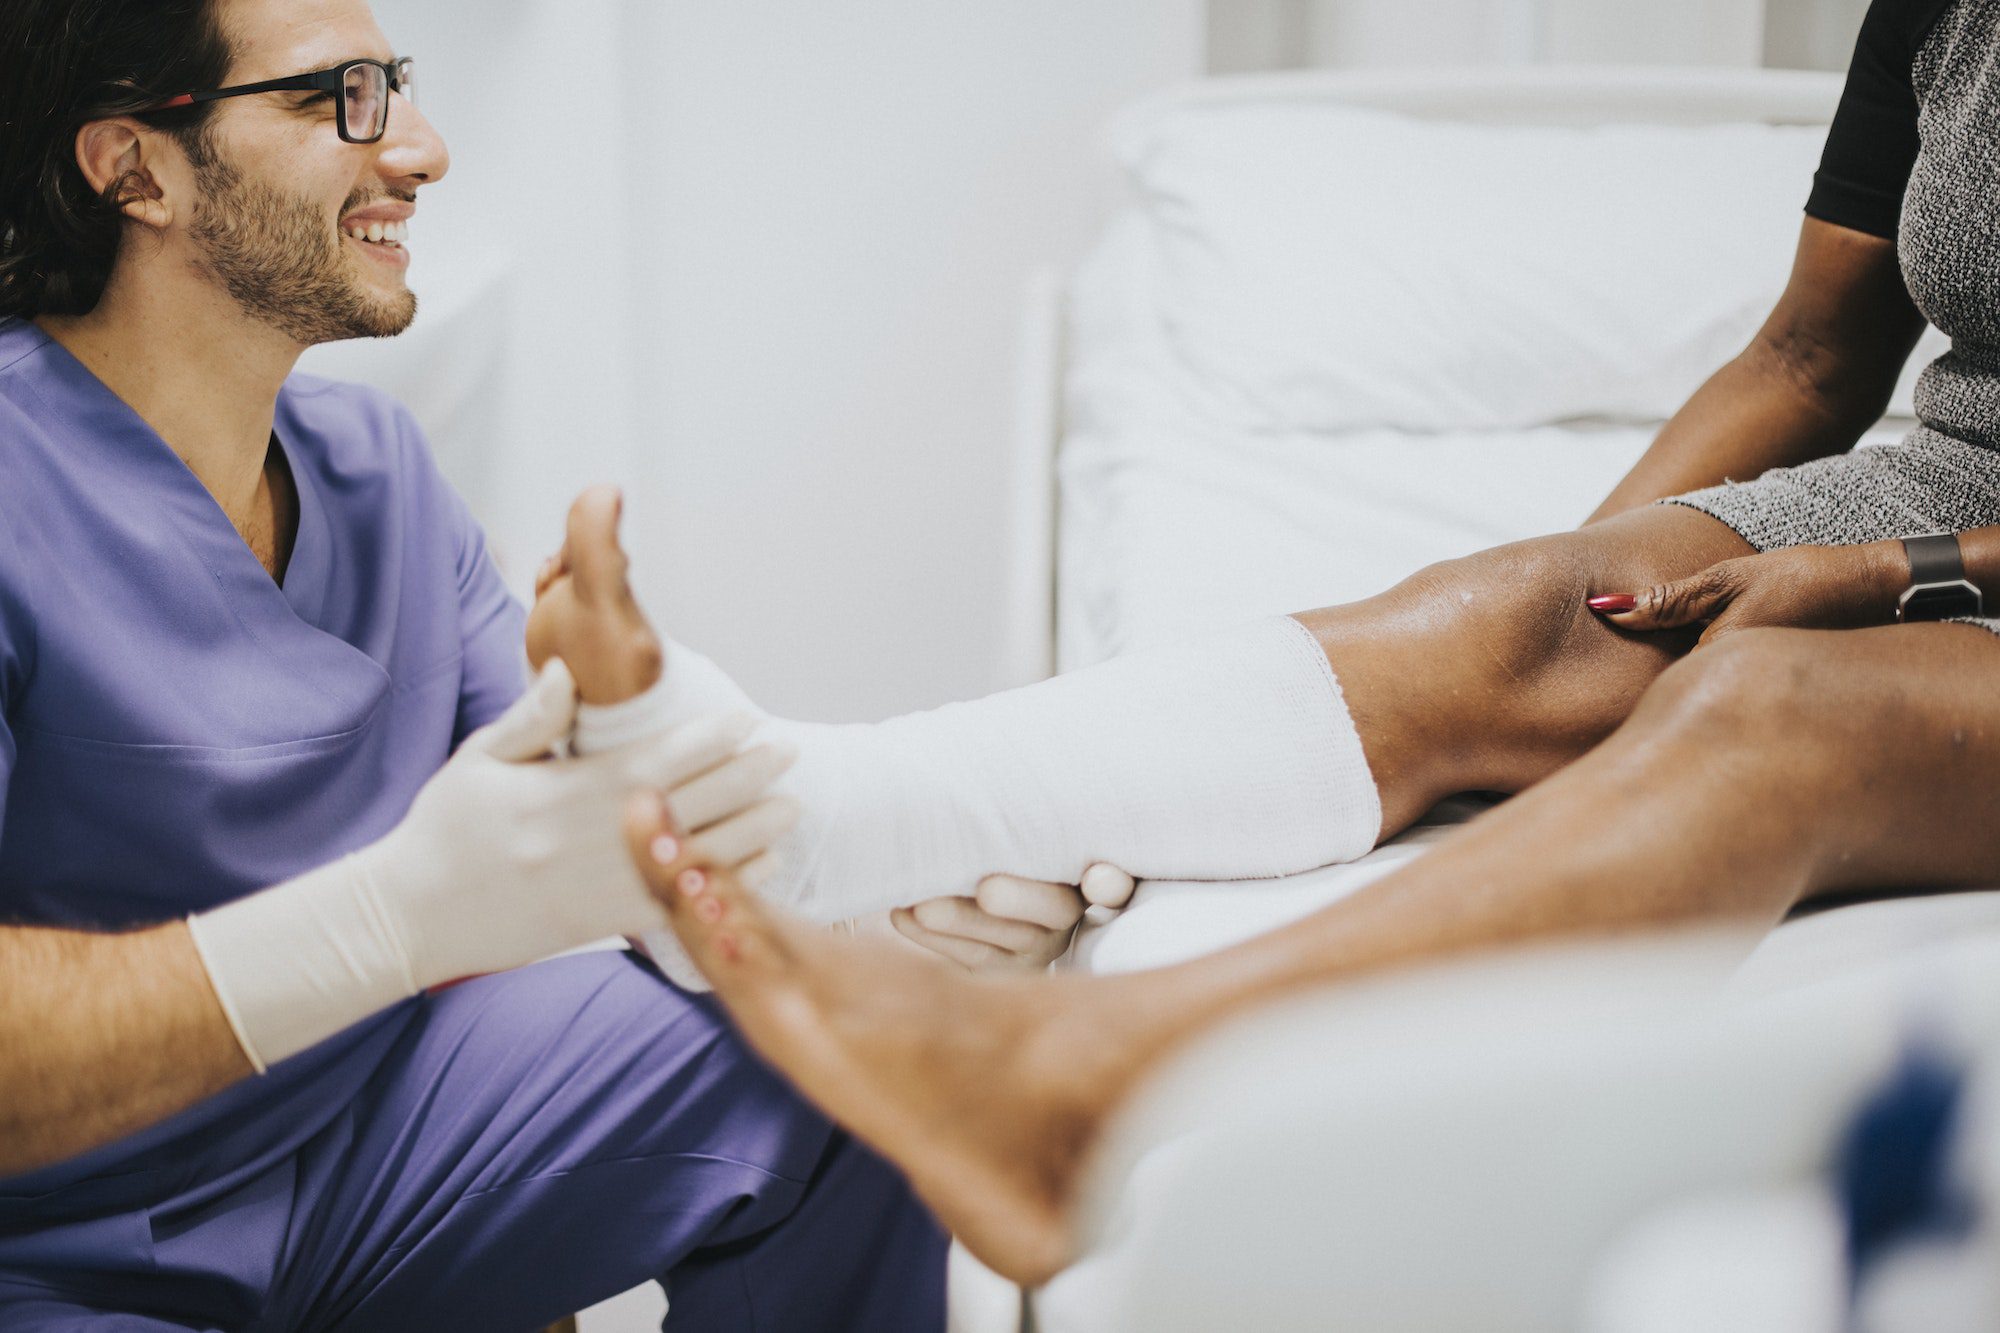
(117,154)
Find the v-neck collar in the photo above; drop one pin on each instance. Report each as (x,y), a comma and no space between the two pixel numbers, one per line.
(308,572)
(201,517)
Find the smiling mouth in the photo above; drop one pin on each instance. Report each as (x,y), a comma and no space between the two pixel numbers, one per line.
(387,235)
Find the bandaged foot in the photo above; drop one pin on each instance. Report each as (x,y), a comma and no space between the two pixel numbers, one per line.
(1226,757)
(1230,756)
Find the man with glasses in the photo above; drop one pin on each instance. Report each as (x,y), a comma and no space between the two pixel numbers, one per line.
(259,682)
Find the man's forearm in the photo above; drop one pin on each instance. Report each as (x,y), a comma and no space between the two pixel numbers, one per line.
(1754,414)
(101,1036)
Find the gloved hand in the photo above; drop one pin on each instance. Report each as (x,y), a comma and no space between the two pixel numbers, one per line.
(1011,923)
(507,855)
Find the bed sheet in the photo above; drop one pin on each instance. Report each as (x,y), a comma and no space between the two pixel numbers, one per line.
(1165,534)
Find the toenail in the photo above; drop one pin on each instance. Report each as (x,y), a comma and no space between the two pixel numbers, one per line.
(691,882)
(726,946)
(709,910)
(666,849)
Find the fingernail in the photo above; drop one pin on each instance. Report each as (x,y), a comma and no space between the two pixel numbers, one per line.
(666,849)
(709,910)
(691,882)
(1613,604)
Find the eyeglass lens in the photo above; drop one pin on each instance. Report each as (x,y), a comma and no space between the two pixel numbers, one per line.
(365,102)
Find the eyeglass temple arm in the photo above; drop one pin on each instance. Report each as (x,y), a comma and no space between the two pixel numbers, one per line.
(320,82)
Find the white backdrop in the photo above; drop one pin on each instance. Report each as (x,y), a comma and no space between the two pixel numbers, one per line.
(762,262)
(1276,34)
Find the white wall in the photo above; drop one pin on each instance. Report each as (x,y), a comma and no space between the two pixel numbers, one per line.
(1276,34)
(764,263)
(847,203)
(1811,34)
(529,242)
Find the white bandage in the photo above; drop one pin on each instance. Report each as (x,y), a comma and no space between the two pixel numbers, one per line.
(1229,756)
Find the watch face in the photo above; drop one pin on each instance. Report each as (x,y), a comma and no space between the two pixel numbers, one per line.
(1941,602)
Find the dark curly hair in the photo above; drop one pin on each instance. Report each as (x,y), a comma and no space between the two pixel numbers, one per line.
(64,63)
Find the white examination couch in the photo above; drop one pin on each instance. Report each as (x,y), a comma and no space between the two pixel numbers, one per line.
(1348,325)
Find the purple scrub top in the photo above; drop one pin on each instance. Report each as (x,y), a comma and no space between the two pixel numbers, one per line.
(177,730)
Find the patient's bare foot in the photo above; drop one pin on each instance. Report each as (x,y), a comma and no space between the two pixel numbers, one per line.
(986,1091)
(585,612)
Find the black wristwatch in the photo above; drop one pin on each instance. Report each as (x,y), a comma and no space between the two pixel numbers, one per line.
(1938,587)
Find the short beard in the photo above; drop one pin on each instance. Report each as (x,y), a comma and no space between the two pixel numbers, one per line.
(280,262)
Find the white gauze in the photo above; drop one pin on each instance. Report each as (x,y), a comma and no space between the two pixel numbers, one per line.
(1229,756)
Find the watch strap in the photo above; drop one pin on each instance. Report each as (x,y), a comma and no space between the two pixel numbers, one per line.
(1935,559)
(1938,587)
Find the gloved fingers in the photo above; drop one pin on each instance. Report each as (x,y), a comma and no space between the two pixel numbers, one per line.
(538,719)
(969,954)
(1039,902)
(730,786)
(742,836)
(964,918)
(759,871)
(1105,885)
(668,760)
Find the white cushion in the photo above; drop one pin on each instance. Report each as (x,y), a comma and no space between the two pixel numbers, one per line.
(1314,267)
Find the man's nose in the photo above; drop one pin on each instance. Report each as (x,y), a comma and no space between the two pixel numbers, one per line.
(412,149)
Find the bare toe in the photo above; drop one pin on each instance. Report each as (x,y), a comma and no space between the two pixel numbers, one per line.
(725,928)
(595,558)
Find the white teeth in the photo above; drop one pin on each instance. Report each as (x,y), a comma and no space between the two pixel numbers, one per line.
(379,233)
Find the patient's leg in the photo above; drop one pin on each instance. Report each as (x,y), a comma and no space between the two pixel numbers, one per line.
(1770,768)
(1489,673)
(1260,750)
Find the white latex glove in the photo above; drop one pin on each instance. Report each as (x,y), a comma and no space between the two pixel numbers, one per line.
(1011,923)
(507,855)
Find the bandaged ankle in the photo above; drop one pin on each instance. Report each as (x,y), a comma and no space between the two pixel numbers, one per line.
(1228,756)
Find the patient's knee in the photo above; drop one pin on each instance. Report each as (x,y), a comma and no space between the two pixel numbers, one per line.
(1516,607)
(1756,689)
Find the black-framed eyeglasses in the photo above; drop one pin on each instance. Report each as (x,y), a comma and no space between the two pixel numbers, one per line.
(360,89)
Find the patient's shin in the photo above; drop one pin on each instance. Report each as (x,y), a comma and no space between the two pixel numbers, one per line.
(1227,756)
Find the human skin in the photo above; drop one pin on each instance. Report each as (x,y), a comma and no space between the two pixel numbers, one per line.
(1656,786)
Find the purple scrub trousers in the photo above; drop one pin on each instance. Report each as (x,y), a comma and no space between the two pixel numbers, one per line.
(533,1143)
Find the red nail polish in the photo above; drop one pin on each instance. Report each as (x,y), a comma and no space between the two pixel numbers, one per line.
(709,910)
(1612,604)
(692,882)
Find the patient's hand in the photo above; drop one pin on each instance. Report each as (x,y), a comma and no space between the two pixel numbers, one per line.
(584,610)
(1011,923)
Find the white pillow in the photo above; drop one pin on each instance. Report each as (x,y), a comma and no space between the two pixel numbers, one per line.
(1315,267)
